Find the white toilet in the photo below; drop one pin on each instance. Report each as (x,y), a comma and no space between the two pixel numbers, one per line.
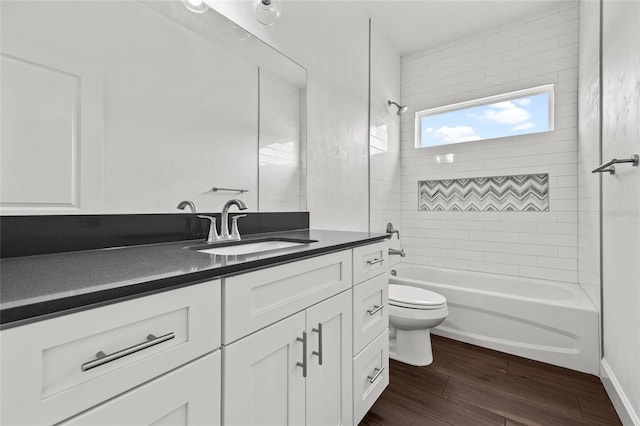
(412,312)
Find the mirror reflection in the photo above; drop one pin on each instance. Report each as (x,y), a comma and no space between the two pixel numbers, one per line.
(131,107)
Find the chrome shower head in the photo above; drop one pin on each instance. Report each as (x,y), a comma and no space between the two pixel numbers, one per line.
(401,108)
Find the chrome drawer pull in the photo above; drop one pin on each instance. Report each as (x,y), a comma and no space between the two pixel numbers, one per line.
(374,261)
(102,358)
(375,309)
(303,364)
(319,351)
(378,373)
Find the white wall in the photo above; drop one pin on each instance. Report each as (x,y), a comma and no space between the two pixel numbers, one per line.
(538,50)
(164,145)
(621,207)
(589,150)
(384,137)
(330,40)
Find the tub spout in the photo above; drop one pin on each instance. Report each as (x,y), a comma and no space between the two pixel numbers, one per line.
(396,252)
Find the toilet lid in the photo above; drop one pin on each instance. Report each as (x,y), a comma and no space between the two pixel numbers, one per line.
(414,297)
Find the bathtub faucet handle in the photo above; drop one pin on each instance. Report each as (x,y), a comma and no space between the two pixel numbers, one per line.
(396,252)
(392,231)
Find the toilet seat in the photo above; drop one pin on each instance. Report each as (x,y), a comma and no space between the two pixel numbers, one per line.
(415,298)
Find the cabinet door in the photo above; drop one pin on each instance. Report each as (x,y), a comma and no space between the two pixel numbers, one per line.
(189,395)
(370,311)
(263,385)
(329,387)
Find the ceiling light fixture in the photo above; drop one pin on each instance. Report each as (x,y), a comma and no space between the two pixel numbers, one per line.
(267,11)
(196,6)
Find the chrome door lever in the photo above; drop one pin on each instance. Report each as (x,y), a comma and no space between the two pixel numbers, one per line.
(303,364)
(319,351)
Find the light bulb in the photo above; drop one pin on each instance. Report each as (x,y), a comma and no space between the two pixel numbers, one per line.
(196,6)
(267,11)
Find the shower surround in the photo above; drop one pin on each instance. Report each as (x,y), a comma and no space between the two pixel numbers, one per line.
(536,50)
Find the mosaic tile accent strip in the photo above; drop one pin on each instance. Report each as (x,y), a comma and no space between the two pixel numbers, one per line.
(520,193)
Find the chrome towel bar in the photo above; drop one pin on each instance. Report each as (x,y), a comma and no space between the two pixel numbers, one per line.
(216,189)
(609,165)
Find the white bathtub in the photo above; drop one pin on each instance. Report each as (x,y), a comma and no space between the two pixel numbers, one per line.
(547,321)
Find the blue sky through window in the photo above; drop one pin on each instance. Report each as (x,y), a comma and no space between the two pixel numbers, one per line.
(528,114)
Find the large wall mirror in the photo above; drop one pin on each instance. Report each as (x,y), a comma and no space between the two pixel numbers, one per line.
(131,107)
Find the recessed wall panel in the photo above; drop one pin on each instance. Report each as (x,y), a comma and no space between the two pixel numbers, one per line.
(39,134)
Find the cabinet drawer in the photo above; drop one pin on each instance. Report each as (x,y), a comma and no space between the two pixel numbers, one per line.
(257,299)
(370,375)
(187,396)
(55,368)
(370,310)
(370,260)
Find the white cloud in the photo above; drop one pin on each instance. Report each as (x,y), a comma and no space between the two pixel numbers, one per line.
(455,134)
(503,105)
(523,101)
(505,113)
(524,126)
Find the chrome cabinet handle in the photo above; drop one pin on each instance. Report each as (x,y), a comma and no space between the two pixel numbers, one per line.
(319,351)
(102,358)
(303,364)
(375,309)
(374,261)
(378,373)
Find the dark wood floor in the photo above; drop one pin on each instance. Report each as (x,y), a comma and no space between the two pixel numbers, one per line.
(470,385)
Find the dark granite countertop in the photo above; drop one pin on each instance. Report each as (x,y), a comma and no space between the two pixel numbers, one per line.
(33,288)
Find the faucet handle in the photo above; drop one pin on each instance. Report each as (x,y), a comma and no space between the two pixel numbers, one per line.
(391,230)
(235,233)
(213,232)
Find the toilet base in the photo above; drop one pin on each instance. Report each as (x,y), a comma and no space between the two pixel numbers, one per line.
(412,347)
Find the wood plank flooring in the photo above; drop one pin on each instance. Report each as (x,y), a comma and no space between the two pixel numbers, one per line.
(472,386)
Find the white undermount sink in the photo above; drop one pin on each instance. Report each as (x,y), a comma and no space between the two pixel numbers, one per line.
(251,248)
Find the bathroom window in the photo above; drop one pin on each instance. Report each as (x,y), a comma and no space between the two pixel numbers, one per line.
(509,114)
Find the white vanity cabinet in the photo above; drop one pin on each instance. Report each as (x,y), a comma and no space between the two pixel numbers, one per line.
(273,314)
(371,324)
(299,343)
(298,369)
(270,378)
(55,369)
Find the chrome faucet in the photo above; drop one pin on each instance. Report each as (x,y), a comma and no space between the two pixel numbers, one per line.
(224,226)
(186,203)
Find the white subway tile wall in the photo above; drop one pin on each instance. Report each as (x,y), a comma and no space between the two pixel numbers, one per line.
(538,50)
